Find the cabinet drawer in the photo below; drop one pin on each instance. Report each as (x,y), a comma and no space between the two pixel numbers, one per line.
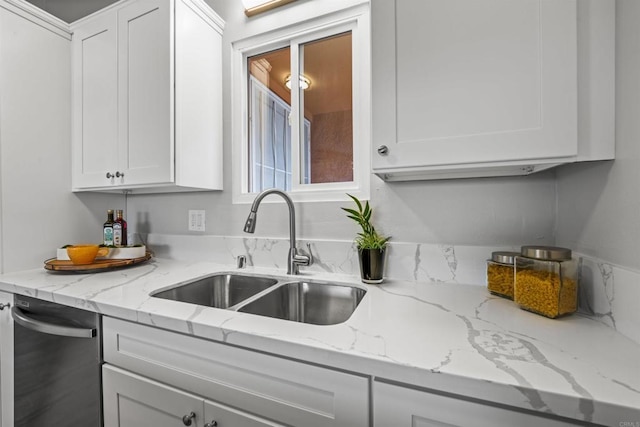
(282,390)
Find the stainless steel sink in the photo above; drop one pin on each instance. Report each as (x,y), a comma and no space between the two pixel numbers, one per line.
(218,290)
(318,303)
(307,302)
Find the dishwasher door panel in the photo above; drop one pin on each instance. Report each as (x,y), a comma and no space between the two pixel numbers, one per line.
(57,378)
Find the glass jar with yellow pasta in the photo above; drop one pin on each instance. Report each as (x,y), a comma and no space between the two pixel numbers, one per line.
(500,273)
(546,280)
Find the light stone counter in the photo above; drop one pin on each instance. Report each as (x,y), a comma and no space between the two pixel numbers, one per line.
(448,337)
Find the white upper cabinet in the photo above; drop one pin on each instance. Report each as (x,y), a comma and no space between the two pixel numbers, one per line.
(466,88)
(147,98)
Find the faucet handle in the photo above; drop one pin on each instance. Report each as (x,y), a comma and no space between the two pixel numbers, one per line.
(241,261)
(310,253)
(304,259)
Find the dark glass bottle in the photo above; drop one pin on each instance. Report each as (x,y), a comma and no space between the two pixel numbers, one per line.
(119,230)
(107,229)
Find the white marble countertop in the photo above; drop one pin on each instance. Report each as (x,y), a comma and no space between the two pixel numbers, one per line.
(448,337)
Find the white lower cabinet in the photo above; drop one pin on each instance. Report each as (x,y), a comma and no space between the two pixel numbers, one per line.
(132,400)
(6,360)
(147,367)
(400,406)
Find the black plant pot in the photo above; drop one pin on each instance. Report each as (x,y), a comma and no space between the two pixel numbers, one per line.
(371,265)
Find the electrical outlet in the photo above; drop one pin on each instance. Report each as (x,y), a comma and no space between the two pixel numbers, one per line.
(196,220)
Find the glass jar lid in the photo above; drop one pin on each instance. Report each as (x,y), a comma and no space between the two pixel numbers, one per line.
(548,253)
(504,257)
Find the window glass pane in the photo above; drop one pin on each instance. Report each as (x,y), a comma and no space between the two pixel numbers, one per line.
(325,142)
(269,130)
(327,155)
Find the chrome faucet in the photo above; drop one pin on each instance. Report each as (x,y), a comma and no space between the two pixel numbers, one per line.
(295,259)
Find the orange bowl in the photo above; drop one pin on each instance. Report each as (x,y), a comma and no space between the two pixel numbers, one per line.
(85,254)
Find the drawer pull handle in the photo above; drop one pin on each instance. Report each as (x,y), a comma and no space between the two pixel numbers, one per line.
(383,150)
(186,420)
(3,306)
(119,174)
(213,423)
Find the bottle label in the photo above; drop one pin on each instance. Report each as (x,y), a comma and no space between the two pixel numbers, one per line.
(117,234)
(108,236)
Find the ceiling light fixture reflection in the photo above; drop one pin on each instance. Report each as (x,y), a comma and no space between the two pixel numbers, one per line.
(253,7)
(304,82)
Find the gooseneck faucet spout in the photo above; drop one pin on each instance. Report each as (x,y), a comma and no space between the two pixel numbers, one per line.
(295,259)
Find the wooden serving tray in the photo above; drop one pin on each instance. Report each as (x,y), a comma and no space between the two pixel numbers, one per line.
(98,266)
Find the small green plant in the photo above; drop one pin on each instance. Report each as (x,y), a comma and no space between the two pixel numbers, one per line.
(369,238)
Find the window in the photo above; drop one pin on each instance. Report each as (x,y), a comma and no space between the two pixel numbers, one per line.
(310,139)
(325,97)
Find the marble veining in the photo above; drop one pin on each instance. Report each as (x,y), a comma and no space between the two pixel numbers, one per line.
(449,254)
(479,342)
(416,262)
(436,333)
(606,272)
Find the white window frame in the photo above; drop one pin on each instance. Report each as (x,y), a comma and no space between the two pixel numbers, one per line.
(355,19)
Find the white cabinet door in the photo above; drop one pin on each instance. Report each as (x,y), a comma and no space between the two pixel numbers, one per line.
(404,407)
(133,401)
(6,360)
(220,415)
(123,97)
(145,92)
(460,82)
(147,110)
(95,95)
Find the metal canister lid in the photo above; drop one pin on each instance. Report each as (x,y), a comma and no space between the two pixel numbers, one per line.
(548,253)
(504,257)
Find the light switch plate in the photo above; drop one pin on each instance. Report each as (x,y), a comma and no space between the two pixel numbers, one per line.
(196,220)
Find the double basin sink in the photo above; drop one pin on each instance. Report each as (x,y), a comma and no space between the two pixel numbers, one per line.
(313,302)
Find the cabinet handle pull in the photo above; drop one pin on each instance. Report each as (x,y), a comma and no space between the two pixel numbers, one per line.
(119,174)
(110,175)
(213,423)
(383,150)
(3,306)
(186,420)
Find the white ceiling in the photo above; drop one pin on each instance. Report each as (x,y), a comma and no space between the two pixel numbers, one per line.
(71,10)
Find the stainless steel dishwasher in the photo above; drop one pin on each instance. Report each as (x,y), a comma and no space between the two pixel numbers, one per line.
(57,365)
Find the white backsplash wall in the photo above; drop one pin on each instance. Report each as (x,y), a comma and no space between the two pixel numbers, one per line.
(414,262)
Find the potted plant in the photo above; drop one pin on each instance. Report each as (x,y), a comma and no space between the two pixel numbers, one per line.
(371,245)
